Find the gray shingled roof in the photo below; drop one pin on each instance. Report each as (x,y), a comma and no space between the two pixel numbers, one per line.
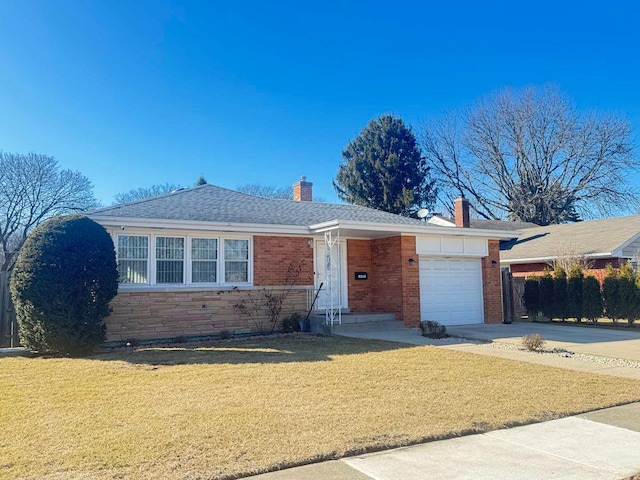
(209,203)
(503,225)
(583,238)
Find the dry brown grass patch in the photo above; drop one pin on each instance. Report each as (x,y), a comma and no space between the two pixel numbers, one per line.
(250,406)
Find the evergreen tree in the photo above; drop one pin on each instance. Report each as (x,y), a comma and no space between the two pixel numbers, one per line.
(201,181)
(591,299)
(575,285)
(611,293)
(531,297)
(383,168)
(560,293)
(62,283)
(628,293)
(546,294)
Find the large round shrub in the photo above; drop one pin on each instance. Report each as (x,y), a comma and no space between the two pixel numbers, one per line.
(62,283)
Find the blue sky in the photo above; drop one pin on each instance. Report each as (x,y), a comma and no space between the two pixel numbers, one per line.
(137,93)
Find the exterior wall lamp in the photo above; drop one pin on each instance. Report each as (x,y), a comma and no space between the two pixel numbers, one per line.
(412,262)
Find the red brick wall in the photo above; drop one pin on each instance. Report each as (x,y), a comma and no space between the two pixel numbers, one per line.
(303,191)
(396,284)
(410,282)
(597,268)
(386,285)
(359,260)
(491,284)
(272,256)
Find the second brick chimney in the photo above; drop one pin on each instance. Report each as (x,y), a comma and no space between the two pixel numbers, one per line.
(462,212)
(303,190)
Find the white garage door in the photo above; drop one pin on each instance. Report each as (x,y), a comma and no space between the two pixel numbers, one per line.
(451,290)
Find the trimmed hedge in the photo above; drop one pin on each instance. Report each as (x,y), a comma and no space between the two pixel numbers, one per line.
(62,283)
(577,296)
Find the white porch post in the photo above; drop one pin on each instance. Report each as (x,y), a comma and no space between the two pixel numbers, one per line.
(333,278)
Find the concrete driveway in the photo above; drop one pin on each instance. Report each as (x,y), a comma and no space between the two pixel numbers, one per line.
(588,340)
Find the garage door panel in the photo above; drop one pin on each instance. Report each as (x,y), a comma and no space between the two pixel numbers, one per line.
(451,290)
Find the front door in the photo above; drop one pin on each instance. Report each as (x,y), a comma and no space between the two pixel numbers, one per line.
(331,271)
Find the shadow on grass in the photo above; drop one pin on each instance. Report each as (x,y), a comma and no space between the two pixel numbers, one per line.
(299,348)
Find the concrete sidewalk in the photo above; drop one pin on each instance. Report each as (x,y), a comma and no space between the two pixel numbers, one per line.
(590,446)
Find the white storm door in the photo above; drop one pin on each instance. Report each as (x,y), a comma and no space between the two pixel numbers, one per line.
(335,265)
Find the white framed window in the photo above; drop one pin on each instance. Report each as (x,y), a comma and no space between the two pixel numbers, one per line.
(204,260)
(236,260)
(184,260)
(169,260)
(133,259)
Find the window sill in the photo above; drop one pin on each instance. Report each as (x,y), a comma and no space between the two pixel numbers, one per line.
(183,288)
(202,288)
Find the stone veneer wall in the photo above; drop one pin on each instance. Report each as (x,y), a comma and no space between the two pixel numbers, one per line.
(147,315)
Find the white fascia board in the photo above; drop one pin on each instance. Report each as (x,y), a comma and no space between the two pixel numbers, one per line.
(109,221)
(427,229)
(550,259)
(618,251)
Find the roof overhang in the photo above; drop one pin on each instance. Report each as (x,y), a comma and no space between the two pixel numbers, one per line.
(355,229)
(515,261)
(375,230)
(109,221)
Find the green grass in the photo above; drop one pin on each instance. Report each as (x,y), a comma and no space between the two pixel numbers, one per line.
(241,407)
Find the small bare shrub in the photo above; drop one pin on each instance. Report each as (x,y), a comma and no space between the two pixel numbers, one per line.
(292,323)
(226,335)
(534,342)
(263,307)
(433,329)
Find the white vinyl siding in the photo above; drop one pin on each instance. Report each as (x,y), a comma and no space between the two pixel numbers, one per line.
(133,259)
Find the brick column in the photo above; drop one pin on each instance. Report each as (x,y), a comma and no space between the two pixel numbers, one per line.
(492,284)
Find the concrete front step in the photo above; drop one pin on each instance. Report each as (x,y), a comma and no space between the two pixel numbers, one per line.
(350,318)
(367,327)
(356,322)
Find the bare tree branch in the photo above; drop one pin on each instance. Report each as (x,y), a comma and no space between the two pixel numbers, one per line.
(529,155)
(33,188)
(142,193)
(266,191)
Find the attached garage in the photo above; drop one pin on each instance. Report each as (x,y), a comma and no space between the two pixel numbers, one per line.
(451,279)
(451,290)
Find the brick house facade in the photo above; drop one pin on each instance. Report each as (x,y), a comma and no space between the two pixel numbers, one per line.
(185,274)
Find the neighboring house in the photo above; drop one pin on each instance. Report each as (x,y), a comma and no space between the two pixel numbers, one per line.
(595,243)
(188,257)
(504,225)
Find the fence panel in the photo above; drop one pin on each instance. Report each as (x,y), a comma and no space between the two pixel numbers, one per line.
(8,325)
(519,309)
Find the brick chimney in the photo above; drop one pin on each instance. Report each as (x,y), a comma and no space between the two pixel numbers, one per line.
(462,212)
(302,190)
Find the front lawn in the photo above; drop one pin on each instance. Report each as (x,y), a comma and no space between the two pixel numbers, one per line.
(240,407)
